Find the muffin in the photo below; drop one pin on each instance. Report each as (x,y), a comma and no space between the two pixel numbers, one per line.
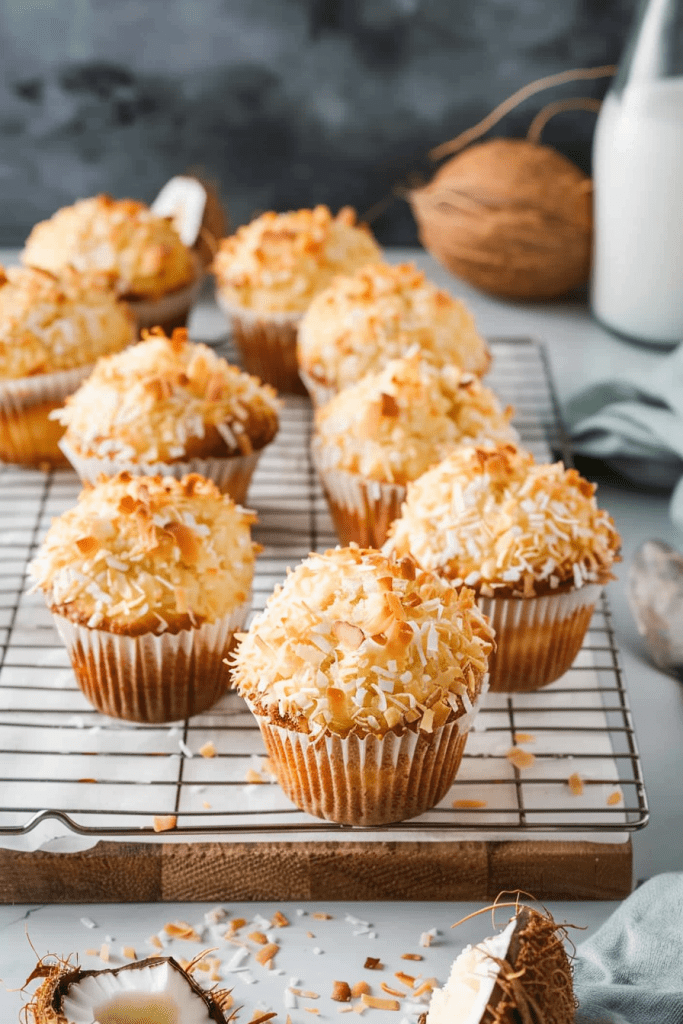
(147,579)
(531,541)
(268,272)
(362,321)
(51,331)
(375,436)
(149,265)
(169,406)
(364,677)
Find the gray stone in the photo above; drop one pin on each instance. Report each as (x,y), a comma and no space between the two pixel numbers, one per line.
(655,595)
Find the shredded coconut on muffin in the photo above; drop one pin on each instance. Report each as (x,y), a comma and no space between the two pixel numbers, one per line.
(279,261)
(168,398)
(141,250)
(491,518)
(362,321)
(394,424)
(50,323)
(147,554)
(356,641)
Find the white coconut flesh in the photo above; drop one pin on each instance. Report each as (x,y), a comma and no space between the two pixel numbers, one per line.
(472,980)
(154,994)
(183,200)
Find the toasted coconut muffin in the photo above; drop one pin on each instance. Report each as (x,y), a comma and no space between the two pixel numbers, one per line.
(148,578)
(168,405)
(51,331)
(143,253)
(268,272)
(378,313)
(528,537)
(376,435)
(364,675)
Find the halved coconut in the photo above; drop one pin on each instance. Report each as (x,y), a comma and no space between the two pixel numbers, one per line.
(152,991)
(520,976)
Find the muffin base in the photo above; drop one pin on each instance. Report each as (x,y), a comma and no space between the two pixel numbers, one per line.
(231,475)
(267,345)
(152,678)
(27,435)
(537,638)
(369,780)
(168,311)
(362,510)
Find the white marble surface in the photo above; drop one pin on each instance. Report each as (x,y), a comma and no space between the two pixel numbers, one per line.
(581,352)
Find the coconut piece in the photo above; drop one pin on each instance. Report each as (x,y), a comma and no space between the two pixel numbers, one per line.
(156,990)
(521,974)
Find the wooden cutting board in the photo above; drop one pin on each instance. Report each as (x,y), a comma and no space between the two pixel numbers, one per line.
(144,872)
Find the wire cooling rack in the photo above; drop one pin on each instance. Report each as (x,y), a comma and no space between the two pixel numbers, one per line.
(62,760)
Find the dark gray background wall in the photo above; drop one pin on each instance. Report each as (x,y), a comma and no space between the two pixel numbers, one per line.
(285,103)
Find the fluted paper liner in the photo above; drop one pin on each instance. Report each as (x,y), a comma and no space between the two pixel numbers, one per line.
(368,780)
(152,678)
(232,474)
(267,344)
(362,510)
(319,393)
(170,310)
(537,638)
(27,435)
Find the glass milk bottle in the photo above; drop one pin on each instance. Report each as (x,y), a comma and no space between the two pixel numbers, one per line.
(637,281)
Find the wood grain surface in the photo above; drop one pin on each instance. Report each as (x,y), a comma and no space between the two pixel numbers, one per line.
(131,872)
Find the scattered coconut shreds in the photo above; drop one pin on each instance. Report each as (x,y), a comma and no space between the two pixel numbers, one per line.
(615,798)
(372,963)
(392,991)
(575,783)
(181,930)
(524,737)
(310,935)
(311,1009)
(427,986)
(128,953)
(412,956)
(254,777)
(88,922)
(208,750)
(466,805)
(279,920)
(426,939)
(155,941)
(258,937)
(341,992)
(304,994)
(92,952)
(206,804)
(521,759)
(164,822)
(359,989)
(405,979)
(104,953)
(320,915)
(380,1004)
(266,952)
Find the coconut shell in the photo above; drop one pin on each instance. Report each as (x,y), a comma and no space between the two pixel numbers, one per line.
(511,217)
(535,981)
(214,223)
(46,1005)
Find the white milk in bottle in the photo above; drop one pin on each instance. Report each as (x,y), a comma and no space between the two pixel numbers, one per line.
(637,285)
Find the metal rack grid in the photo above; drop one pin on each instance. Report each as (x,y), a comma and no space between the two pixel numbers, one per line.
(62,760)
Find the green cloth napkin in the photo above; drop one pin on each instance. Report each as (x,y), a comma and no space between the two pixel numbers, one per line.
(631,970)
(636,424)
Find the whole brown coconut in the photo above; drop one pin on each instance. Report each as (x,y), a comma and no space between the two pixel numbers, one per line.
(512,217)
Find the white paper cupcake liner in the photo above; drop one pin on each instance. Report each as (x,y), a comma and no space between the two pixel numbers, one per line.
(26,434)
(319,393)
(169,310)
(232,475)
(267,343)
(369,780)
(362,510)
(537,638)
(152,678)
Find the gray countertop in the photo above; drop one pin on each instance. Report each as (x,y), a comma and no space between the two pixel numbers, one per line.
(580,352)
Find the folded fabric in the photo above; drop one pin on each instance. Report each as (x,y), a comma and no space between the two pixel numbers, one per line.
(636,424)
(631,970)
